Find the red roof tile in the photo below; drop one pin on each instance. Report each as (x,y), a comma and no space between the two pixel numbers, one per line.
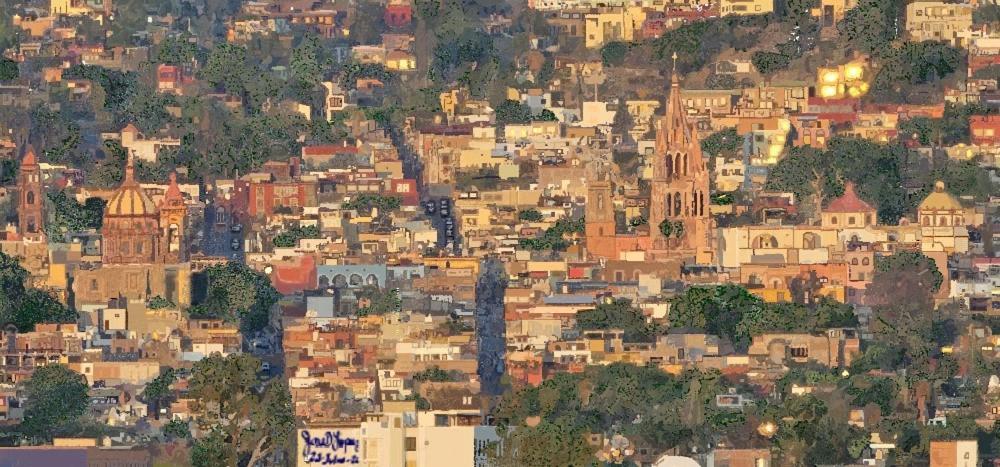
(849,202)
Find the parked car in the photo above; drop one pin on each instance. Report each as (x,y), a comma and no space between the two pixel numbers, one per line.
(235,244)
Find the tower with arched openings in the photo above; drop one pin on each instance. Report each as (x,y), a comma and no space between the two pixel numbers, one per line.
(680,185)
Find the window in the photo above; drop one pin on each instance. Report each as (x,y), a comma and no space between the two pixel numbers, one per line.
(411,443)
(799,352)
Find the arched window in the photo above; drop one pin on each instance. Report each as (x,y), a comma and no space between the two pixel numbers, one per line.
(678,168)
(926,220)
(865,261)
(356,280)
(854,262)
(765,241)
(669,162)
(868,219)
(943,220)
(810,240)
(324,282)
(30,197)
(677,204)
(833,220)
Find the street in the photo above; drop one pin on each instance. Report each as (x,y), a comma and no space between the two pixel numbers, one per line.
(218,235)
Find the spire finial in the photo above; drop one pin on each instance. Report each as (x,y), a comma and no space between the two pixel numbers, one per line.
(129,167)
(674,57)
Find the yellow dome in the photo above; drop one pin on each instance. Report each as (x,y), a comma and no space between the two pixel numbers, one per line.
(940,200)
(130,200)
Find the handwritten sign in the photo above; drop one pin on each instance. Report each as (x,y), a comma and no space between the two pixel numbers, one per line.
(329,446)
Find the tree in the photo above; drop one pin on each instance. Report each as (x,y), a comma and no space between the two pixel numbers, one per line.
(305,66)
(227,67)
(55,398)
(8,69)
(379,302)
(530,215)
(246,422)
(159,389)
(235,292)
(291,237)
(177,429)
(724,142)
(913,64)
(436,374)
(613,53)
(71,216)
(510,111)
(25,306)
(770,62)
(618,314)
(176,51)
(871,25)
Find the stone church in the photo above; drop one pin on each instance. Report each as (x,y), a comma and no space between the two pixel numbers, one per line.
(679,196)
(144,248)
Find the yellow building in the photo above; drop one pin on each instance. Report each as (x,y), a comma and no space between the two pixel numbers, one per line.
(746,7)
(847,80)
(943,222)
(615,24)
(938,21)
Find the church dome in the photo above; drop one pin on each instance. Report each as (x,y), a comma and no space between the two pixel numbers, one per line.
(130,200)
(940,200)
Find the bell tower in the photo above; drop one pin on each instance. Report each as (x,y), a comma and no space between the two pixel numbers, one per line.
(173,231)
(680,185)
(600,218)
(30,199)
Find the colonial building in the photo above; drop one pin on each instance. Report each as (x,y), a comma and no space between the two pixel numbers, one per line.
(144,248)
(680,191)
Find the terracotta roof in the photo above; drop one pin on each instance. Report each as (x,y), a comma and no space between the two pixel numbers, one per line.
(849,202)
(29,157)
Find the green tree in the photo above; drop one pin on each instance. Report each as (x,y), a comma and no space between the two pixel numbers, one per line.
(436,374)
(291,237)
(305,66)
(159,389)
(247,421)
(227,66)
(235,292)
(613,53)
(178,429)
(530,215)
(724,142)
(618,314)
(25,306)
(56,397)
(176,51)
(770,62)
(8,69)
(510,111)
(71,216)
(380,301)
(871,25)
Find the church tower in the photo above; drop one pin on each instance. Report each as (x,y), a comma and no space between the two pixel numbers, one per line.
(173,217)
(600,219)
(30,199)
(680,185)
